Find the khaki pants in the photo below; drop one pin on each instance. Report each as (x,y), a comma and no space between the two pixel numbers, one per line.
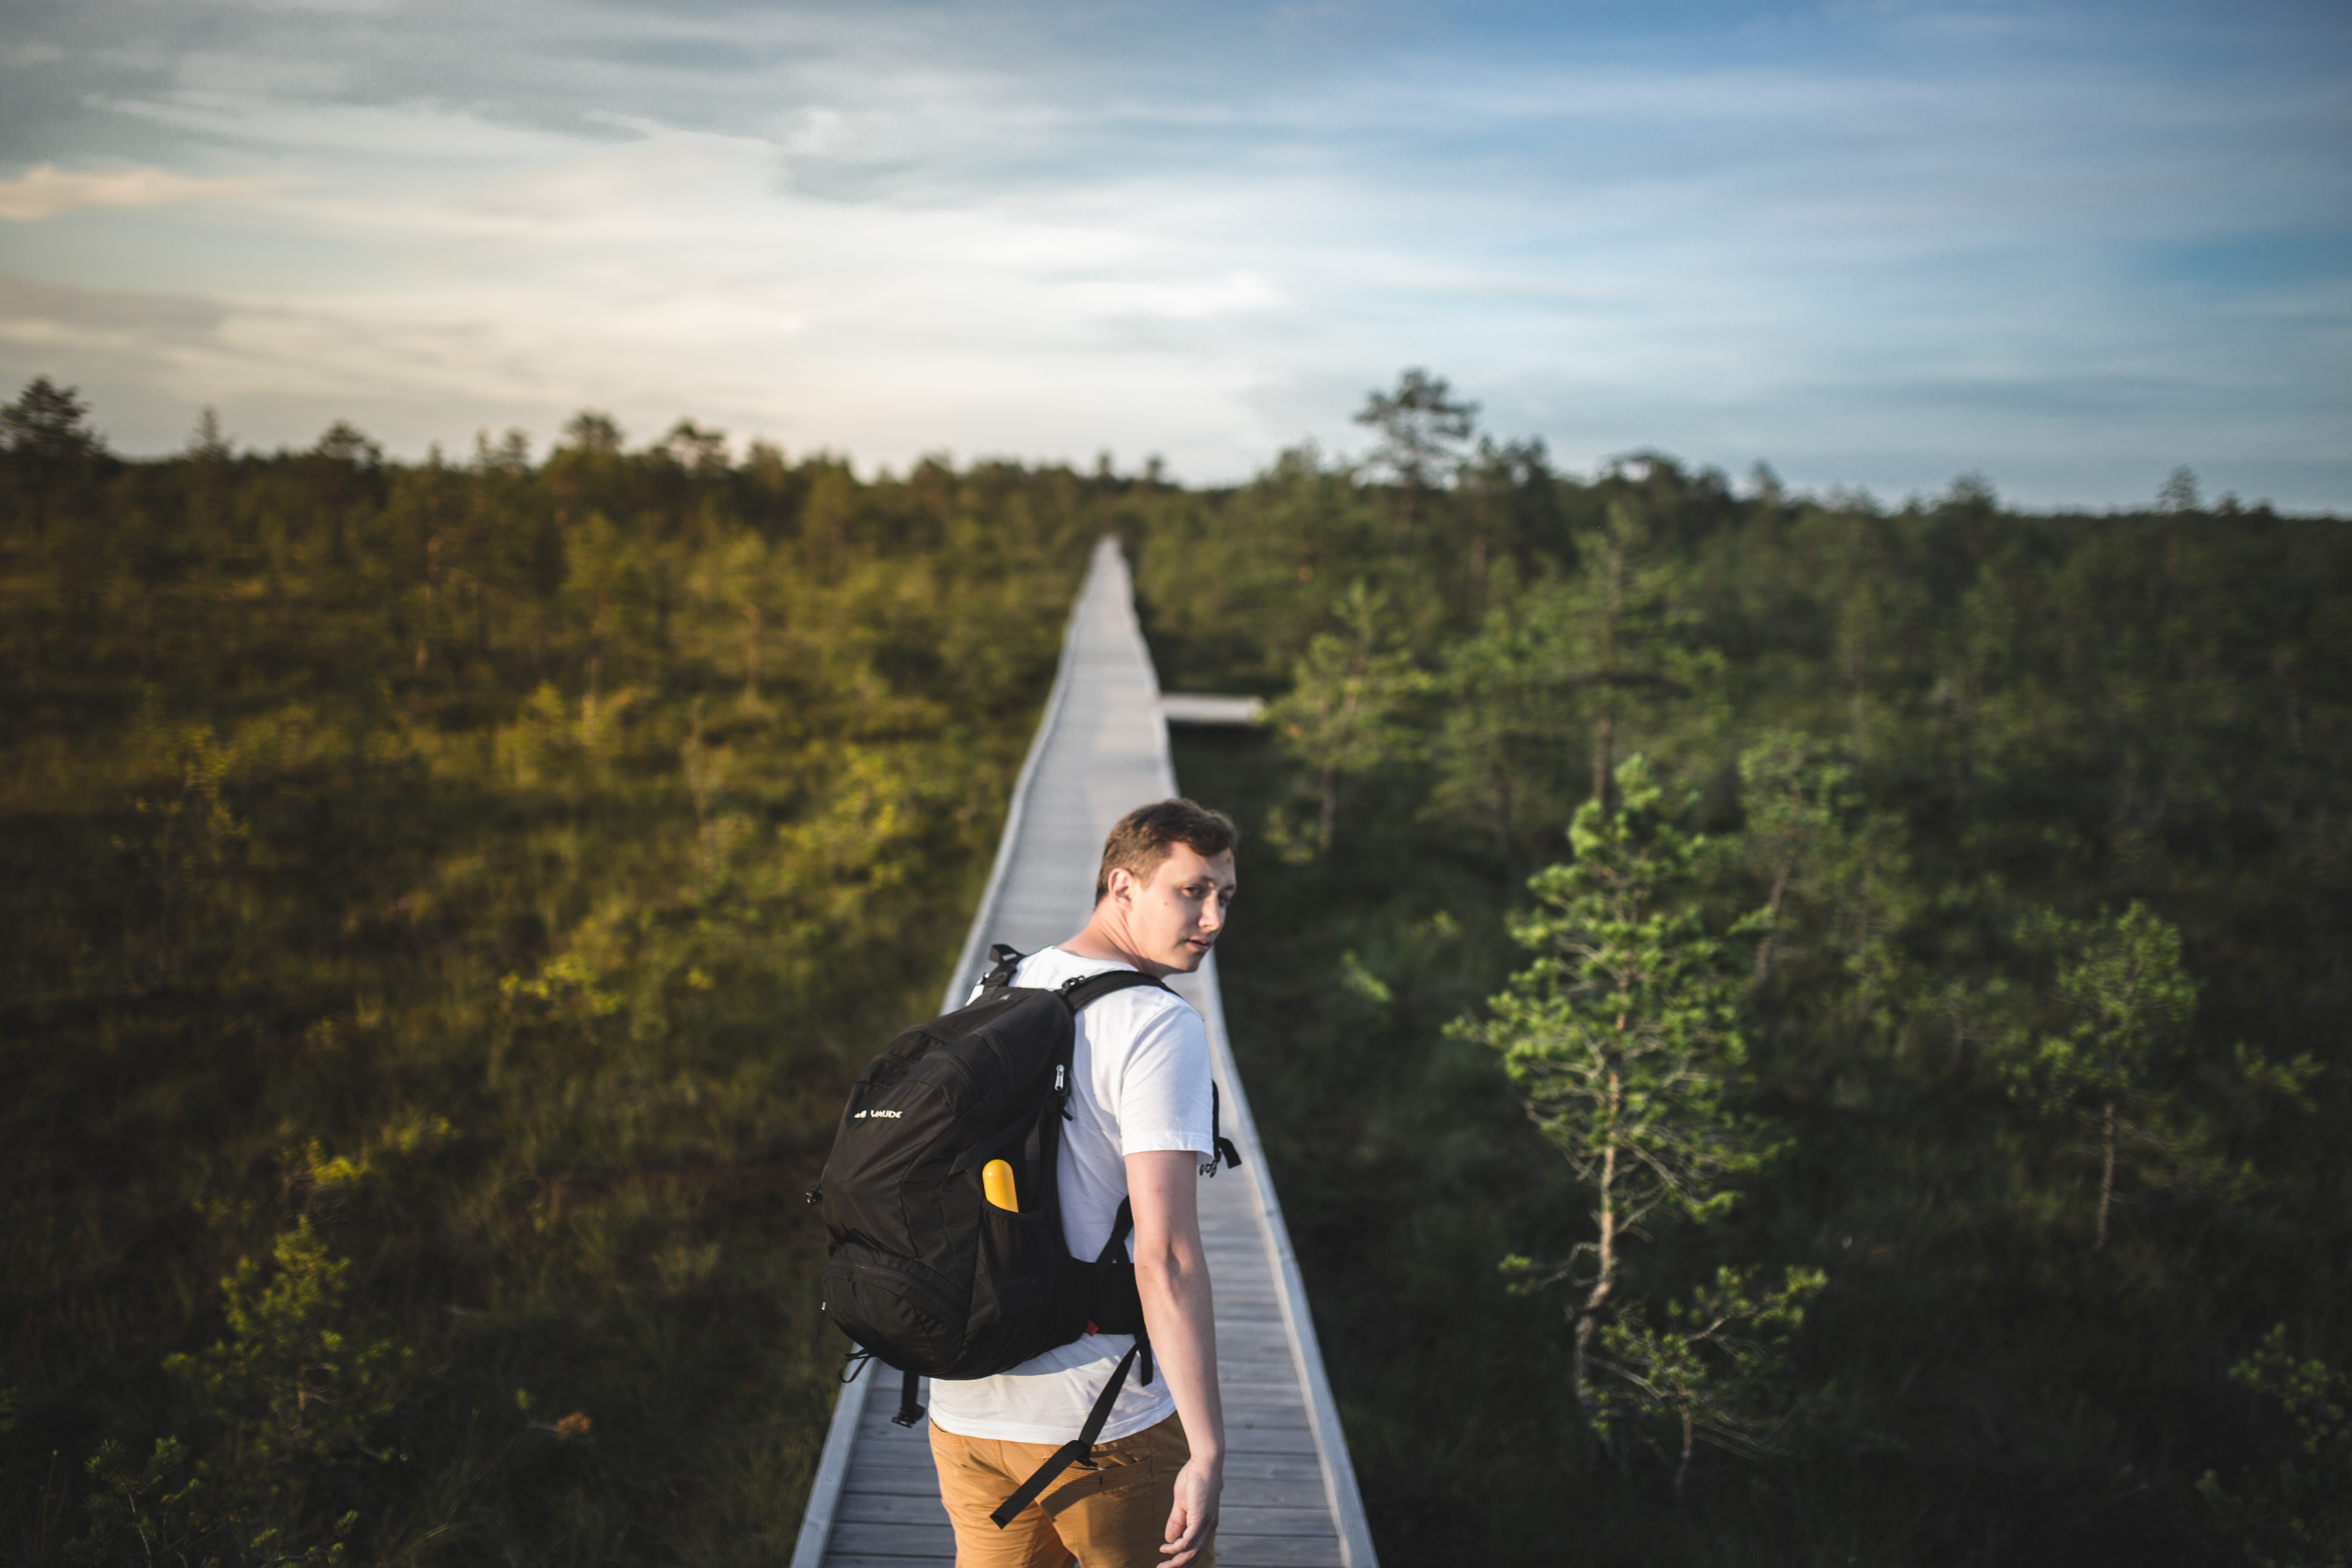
(1114,1516)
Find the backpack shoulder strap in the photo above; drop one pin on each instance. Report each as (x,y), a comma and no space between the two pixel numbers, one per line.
(1088,988)
(1006,959)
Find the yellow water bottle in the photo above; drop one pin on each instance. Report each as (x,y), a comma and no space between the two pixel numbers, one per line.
(996,1181)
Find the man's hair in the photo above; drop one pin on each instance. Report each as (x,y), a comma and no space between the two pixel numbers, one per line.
(1144,836)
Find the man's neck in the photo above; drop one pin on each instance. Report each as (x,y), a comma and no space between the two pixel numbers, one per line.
(1102,941)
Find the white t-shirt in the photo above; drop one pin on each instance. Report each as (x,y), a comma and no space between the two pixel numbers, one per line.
(1141,1067)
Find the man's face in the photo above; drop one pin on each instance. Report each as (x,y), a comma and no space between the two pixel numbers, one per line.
(1174,918)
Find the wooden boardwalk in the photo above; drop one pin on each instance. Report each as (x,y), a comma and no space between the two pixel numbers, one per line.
(1290,1498)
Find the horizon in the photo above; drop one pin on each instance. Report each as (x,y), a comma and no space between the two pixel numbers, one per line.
(737,454)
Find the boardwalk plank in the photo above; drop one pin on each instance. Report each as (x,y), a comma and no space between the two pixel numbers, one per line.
(1277,1552)
(1265,1519)
(908,1480)
(1269,1439)
(1244,1394)
(1281,1468)
(1306,1493)
(876,1508)
(893,1540)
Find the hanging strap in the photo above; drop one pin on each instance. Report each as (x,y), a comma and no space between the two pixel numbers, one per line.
(910,1409)
(1076,1449)
(1220,1146)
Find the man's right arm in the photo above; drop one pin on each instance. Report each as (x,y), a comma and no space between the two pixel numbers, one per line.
(1171,1274)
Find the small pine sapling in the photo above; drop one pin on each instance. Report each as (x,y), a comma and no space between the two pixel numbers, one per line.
(2295,1509)
(297,1386)
(139,1509)
(1620,1041)
(189,831)
(1716,1372)
(2122,985)
(1344,712)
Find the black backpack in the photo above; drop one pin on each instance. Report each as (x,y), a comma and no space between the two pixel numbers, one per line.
(922,1272)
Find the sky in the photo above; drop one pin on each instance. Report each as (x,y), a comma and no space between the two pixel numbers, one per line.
(1875,244)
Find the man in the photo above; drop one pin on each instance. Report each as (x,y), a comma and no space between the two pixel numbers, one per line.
(1139,1130)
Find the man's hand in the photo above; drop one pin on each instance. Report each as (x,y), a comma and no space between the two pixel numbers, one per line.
(1193,1522)
(1171,1274)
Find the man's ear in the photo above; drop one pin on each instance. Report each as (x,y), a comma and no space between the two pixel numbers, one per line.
(1120,885)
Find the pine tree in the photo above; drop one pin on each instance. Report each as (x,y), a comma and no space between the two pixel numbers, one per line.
(1421,431)
(1810,840)
(2122,983)
(1798,806)
(50,443)
(1615,631)
(1341,715)
(1504,719)
(1620,1042)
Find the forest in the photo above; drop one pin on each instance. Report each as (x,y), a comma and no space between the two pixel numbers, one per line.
(1788,1029)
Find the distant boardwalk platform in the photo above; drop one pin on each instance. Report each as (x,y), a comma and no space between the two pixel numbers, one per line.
(1290,1499)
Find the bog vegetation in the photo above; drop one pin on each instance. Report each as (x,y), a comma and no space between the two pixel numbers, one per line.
(444,902)
(1788,1030)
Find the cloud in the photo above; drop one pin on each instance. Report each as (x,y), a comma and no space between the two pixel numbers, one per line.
(34,312)
(421,132)
(45,190)
(1878,244)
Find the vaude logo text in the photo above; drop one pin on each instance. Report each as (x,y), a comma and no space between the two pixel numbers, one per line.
(893,1115)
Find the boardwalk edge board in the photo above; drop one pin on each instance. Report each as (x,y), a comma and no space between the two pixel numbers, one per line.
(1321,1449)
(832,1469)
(1347,1501)
(966,973)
